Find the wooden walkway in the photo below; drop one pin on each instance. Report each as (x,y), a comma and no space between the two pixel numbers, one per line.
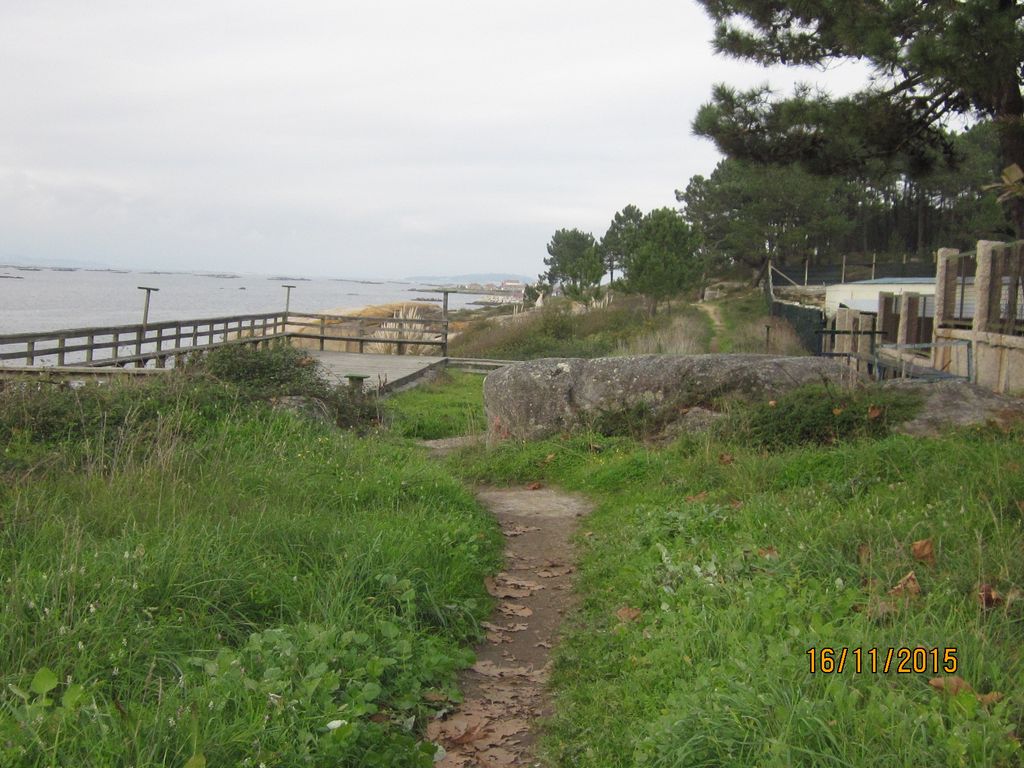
(387,372)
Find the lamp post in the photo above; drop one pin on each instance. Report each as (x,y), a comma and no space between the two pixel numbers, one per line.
(287,299)
(145,321)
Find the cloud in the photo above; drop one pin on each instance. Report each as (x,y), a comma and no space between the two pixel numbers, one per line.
(359,139)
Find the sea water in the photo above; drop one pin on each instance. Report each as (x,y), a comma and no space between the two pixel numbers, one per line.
(46,299)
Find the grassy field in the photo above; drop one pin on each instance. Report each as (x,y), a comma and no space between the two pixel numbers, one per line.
(711,568)
(447,407)
(192,579)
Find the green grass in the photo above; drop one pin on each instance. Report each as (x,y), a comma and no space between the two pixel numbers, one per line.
(450,406)
(740,561)
(219,582)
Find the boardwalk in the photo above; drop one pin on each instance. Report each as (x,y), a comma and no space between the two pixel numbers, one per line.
(391,371)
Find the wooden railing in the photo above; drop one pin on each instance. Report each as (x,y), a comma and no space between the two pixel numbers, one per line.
(378,333)
(161,342)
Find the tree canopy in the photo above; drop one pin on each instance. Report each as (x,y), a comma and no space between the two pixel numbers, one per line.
(665,260)
(620,240)
(573,262)
(930,61)
(750,214)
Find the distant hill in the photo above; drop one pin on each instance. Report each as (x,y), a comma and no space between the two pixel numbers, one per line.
(483,277)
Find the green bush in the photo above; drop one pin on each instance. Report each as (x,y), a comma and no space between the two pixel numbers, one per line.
(278,370)
(817,415)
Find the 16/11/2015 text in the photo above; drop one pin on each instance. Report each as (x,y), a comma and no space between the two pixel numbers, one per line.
(902,661)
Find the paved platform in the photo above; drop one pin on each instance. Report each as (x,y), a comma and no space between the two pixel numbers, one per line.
(382,371)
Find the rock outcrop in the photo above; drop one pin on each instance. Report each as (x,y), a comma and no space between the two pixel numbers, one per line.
(953,403)
(538,398)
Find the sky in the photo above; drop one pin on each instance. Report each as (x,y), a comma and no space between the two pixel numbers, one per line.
(343,139)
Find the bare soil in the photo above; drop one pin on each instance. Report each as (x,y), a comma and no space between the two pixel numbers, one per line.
(505,695)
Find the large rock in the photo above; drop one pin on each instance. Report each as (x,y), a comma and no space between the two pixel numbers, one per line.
(542,397)
(953,403)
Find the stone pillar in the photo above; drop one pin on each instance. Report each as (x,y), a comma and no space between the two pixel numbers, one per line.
(903,332)
(843,323)
(945,286)
(986,290)
(912,311)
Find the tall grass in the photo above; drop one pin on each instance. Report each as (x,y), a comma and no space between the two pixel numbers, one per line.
(390,332)
(745,317)
(226,585)
(687,333)
(560,329)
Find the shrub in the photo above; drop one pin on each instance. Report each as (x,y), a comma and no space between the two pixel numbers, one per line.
(818,415)
(282,370)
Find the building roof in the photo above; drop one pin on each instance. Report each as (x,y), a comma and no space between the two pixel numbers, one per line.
(893,281)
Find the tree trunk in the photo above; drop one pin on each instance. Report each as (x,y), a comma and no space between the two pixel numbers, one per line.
(1010,124)
(760,273)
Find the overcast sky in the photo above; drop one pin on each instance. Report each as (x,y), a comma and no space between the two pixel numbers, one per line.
(345,139)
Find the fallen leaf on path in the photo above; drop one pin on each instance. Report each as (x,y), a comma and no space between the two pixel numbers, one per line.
(515,609)
(497,638)
(908,586)
(924,551)
(626,613)
(558,570)
(505,590)
(490,669)
(542,644)
(518,582)
(496,756)
(519,530)
(500,694)
(457,729)
(505,728)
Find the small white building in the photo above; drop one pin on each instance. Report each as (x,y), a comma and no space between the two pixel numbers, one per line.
(863,294)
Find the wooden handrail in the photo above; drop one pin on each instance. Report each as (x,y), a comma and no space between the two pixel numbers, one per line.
(174,338)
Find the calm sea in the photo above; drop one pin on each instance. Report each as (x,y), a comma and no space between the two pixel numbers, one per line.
(48,299)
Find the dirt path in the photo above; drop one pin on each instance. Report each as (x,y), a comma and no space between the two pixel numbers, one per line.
(712,311)
(504,690)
